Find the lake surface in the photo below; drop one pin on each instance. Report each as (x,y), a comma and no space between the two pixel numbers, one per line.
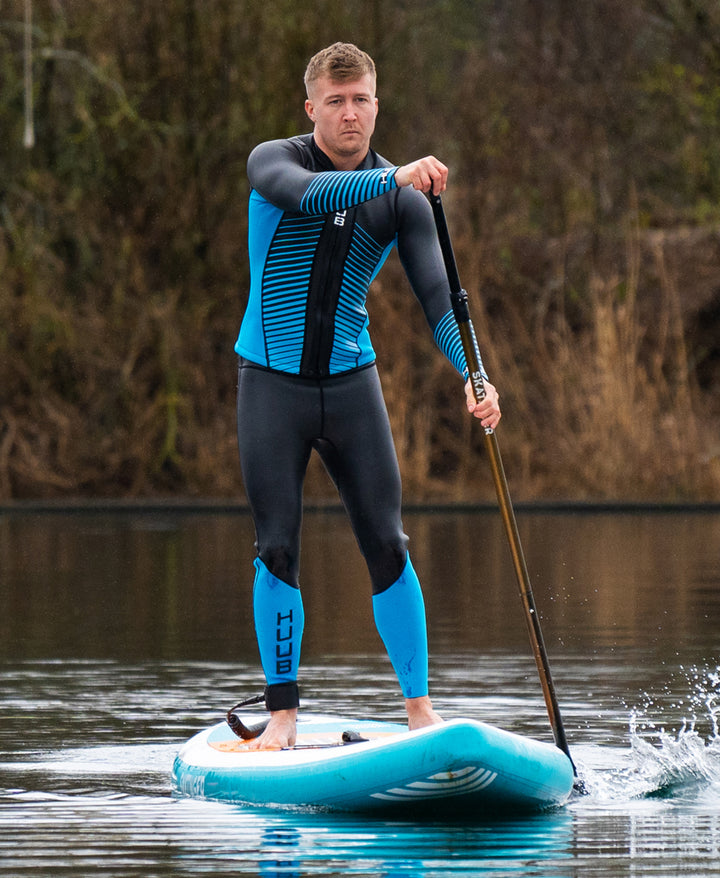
(124,632)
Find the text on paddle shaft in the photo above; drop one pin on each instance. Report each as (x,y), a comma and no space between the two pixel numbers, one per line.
(283,643)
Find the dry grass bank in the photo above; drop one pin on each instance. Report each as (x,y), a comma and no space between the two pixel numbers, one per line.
(601,398)
(584,206)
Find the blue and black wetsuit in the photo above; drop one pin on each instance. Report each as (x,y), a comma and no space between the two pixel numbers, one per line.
(307,380)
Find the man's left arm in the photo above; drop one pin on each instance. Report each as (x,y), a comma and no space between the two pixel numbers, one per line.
(421,257)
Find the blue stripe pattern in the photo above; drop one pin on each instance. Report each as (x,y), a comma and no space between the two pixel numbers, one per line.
(364,260)
(447,338)
(338,190)
(285,285)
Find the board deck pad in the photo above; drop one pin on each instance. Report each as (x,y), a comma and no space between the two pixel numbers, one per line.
(460,765)
(304,740)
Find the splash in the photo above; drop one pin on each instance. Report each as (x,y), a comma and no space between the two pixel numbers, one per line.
(674,745)
(666,762)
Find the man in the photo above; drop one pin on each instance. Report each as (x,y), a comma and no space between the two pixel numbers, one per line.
(325,210)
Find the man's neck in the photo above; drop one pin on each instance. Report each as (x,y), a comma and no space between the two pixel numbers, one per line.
(339,162)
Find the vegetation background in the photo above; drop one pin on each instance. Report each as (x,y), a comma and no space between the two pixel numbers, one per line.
(584,142)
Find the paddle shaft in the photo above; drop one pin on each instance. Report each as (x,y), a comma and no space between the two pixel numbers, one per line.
(461,311)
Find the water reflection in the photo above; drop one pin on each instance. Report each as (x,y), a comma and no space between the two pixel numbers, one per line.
(195,838)
(122,634)
(164,585)
(308,845)
(87,834)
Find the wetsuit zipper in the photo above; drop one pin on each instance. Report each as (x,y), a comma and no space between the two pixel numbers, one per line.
(325,283)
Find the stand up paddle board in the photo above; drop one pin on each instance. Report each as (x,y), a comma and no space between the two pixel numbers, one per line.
(367,765)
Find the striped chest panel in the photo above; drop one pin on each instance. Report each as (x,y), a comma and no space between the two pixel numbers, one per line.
(285,285)
(315,282)
(365,256)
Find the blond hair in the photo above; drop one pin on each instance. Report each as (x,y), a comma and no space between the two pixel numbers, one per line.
(341,62)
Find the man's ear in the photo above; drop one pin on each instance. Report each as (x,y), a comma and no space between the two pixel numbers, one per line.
(310,109)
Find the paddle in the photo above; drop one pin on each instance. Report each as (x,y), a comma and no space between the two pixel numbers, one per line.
(459,300)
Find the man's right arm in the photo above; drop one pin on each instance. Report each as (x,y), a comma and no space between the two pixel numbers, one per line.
(276,171)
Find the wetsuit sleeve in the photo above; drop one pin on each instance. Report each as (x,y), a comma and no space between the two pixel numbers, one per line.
(421,257)
(276,171)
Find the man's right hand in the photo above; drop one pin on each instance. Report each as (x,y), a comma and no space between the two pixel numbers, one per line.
(424,174)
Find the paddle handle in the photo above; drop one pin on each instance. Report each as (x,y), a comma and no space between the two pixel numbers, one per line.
(459,302)
(461,312)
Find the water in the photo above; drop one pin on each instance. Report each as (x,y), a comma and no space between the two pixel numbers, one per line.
(123,633)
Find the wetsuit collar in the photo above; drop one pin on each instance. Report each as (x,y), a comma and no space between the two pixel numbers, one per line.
(326,164)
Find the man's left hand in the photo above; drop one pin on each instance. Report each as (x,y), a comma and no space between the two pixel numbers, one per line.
(487,411)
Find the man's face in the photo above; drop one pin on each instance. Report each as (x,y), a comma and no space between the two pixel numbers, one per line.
(344,116)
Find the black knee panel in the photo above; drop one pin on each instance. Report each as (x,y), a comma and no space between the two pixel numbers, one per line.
(281,562)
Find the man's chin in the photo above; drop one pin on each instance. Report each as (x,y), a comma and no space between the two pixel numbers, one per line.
(348,147)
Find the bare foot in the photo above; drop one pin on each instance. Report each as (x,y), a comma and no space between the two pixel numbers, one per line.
(280,732)
(420,713)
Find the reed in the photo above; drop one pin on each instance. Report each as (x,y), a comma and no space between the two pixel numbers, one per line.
(603,406)
(123,266)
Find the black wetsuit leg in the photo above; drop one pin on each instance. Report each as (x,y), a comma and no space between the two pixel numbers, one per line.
(280,419)
(277,417)
(358,451)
